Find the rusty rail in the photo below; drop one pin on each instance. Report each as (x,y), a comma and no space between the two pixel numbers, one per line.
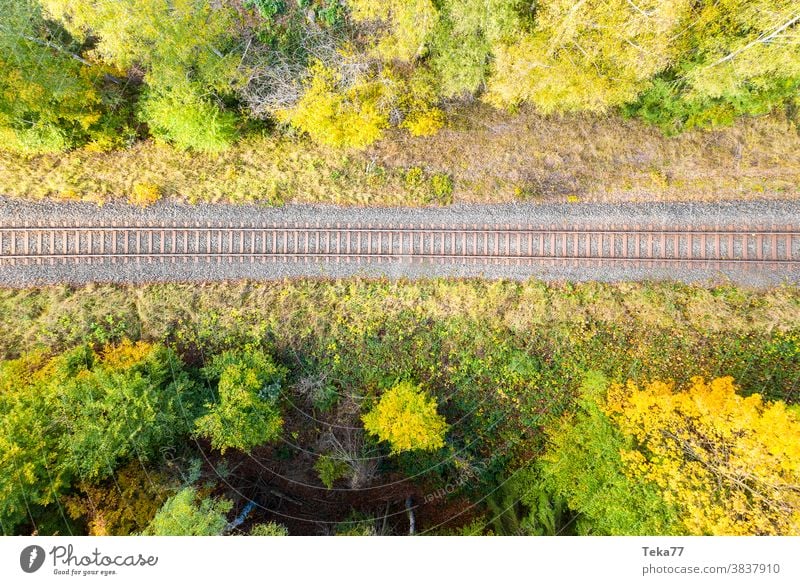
(505,244)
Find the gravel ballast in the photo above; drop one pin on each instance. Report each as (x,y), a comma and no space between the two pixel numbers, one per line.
(764,214)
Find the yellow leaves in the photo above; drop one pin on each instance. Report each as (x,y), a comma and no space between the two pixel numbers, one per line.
(586,55)
(125,354)
(144,194)
(426,123)
(406,417)
(350,117)
(410,23)
(731,463)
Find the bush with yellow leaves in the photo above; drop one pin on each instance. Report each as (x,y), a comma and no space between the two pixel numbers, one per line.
(144,194)
(336,116)
(729,463)
(406,417)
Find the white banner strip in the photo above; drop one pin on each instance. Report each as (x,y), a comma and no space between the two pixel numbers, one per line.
(408,560)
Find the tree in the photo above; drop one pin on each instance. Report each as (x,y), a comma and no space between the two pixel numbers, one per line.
(586,55)
(736,44)
(187,50)
(406,417)
(735,57)
(29,456)
(80,415)
(338,114)
(729,463)
(49,100)
(464,41)
(657,460)
(245,413)
(410,22)
(186,514)
(583,464)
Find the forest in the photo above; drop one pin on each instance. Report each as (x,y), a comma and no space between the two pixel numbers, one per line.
(200,75)
(335,408)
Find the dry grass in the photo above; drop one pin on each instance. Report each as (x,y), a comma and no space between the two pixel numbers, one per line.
(491,156)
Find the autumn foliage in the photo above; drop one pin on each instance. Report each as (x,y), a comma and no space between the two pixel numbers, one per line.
(730,463)
(406,417)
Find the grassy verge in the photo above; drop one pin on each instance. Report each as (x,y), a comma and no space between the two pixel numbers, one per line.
(482,156)
(368,330)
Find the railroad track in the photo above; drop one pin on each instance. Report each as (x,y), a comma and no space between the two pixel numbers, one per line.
(649,245)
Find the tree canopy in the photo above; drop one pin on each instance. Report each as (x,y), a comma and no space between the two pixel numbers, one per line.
(245,413)
(406,417)
(700,460)
(78,416)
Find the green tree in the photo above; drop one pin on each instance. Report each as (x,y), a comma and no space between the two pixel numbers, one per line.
(188,52)
(463,43)
(129,401)
(49,98)
(80,415)
(245,413)
(406,417)
(735,57)
(583,465)
(186,514)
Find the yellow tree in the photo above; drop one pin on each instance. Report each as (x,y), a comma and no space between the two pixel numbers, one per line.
(338,116)
(586,55)
(406,417)
(410,22)
(731,464)
(734,44)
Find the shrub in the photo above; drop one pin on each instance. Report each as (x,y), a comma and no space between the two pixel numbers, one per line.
(185,514)
(406,417)
(331,469)
(414,177)
(269,529)
(337,116)
(442,188)
(188,121)
(144,194)
(246,412)
(425,123)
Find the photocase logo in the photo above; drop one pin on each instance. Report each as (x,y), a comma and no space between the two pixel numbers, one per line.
(31,558)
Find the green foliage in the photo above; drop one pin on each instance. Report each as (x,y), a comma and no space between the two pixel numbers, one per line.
(267,8)
(188,53)
(188,120)
(504,359)
(522,505)
(49,100)
(187,514)
(406,417)
(464,42)
(331,469)
(82,414)
(269,529)
(442,188)
(245,413)
(583,465)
